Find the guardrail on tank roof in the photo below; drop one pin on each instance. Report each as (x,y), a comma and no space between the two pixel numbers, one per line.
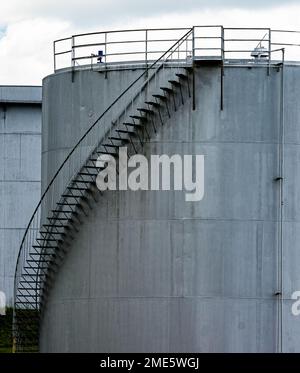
(145,45)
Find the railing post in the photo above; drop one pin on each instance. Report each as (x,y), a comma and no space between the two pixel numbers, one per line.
(73,57)
(105,52)
(270,50)
(54,56)
(193,66)
(222,68)
(193,44)
(146,50)
(222,43)
(92,55)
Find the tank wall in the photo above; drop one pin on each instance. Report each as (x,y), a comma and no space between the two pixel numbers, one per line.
(149,272)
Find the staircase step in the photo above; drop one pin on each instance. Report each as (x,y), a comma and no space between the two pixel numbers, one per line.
(153,103)
(126,131)
(43,254)
(139,117)
(44,247)
(76,188)
(28,275)
(161,97)
(71,196)
(84,181)
(167,89)
(52,233)
(23,303)
(175,83)
(56,218)
(118,138)
(132,124)
(87,174)
(55,225)
(188,68)
(37,261)
(39,264)
(31,269)
(47,239)
(93,167)
(182,76)
(105,152)
(26,296)
(67,204)
(65,212)
(111,145)
(144,110)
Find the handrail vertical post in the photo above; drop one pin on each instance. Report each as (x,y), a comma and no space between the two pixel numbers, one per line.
(193,66)
(222,68)
(193,43)
(105,54)
(222,43)
(146,50)
(270,48)
(54,56)
(73,57)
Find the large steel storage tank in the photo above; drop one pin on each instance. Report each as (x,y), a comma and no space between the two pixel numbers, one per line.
(148,271)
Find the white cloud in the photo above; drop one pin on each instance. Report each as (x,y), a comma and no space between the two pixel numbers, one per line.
(26,50)
(102,12)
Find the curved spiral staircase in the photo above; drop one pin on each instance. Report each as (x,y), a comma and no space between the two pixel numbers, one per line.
(155,96)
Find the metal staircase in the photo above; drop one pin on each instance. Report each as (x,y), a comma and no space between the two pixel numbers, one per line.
(154,96)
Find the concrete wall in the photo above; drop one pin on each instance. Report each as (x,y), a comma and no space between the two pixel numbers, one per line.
(149,272)
(20,173)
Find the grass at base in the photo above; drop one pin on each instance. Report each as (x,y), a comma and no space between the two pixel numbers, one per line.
(6,331)
(5,350)
(29,330)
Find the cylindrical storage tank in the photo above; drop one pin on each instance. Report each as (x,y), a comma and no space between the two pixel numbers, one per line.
(151,272)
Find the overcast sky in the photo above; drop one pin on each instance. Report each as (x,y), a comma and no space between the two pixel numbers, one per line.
(28,27)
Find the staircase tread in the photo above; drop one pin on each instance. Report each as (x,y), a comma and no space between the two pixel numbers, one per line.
(86,174)
(139,117)
(166,89)
(120,139)
(76,188)
(125,131)
(161,97)
(145,110)
(174,82)
(54,225)
(132,124)
(84,181)
(111,145)
(153,103)
(182,76)
(105,152)
(44,247)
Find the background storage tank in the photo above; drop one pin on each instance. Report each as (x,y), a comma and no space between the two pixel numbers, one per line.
(20,172)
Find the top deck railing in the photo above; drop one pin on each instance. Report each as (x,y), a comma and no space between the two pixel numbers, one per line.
(145,45)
